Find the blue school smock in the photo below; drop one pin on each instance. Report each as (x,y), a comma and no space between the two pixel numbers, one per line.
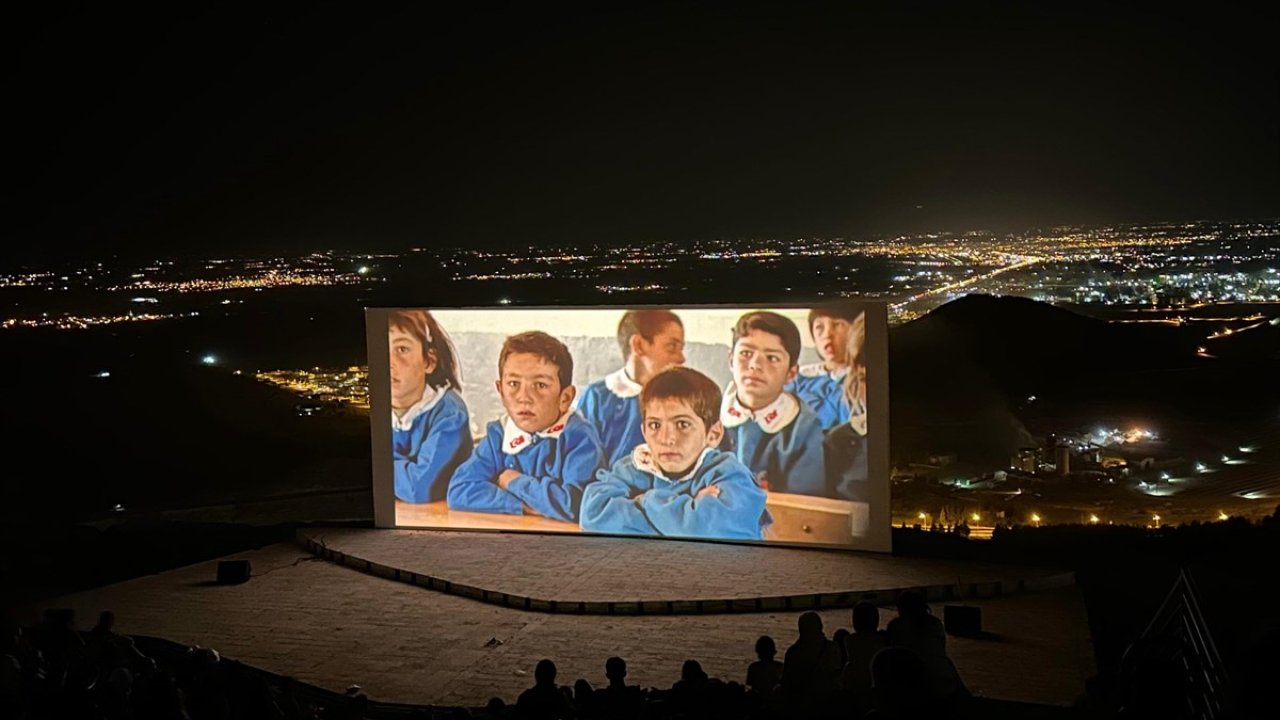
(824,392)
(783,440)
(612,406)
(428,443)
(554,466)
(612,504)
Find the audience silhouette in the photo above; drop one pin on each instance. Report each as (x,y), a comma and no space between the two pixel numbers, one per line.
(55,672)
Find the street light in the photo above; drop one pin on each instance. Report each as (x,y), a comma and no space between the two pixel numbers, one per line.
(975,517)
(1035,519)
(1094,520)
(1156,520)
(1222,516)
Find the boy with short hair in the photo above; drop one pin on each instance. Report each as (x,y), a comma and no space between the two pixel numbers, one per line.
(538,458)
(651,341)
(820,385)
(770,430)
(677,483)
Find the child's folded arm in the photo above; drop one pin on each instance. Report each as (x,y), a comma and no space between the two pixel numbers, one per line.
(558,498)
(730,508)
(608,506)
(474,484)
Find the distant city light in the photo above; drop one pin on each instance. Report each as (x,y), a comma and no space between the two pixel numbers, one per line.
(1156,519)
(1201,467)
(103,374)
(363,269)
(1094,519)
(209,359)
(921,516)
(1164,476)
(975,517)
(1222,516)
(504,301)
(1248,448)
(145,300)
(1035,518)
(117,508)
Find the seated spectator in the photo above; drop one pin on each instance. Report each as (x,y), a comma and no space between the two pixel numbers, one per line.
(898,685)
(860,646)
(692,695)
(544,701)
(811,668)
(918,630)
(583,696)
(839,637)
(618,700)
(765,674)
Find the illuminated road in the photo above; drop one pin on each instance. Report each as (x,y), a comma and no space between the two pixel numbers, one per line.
(1025,262)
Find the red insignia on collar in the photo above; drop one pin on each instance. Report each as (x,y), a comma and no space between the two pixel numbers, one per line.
(771,416)
(556,429)
(734,412)
(517,442)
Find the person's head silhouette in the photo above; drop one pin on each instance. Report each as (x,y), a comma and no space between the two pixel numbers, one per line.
(692,671)
(765,648)
(106,621)
(615,668)
(545,672)
(810,624)
(911,604)
(866,617)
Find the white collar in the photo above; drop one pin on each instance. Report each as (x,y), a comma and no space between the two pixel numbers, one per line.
(621,384)
(514,439)
(771,418)
(430,396)
(818,369)
(642,456)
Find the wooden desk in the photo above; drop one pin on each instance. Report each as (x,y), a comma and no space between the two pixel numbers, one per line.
(796,518)
(810,519)
(438,515)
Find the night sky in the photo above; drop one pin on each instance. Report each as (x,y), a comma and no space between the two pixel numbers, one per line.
(200,129)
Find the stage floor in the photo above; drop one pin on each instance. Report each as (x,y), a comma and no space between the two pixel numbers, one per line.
(602,575)
(333,626)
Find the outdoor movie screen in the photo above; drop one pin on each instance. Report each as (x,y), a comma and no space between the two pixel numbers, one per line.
(743,424)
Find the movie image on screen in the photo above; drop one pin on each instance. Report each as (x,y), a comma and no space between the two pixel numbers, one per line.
(740,424)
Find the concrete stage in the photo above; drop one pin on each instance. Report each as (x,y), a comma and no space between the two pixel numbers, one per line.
(627,576)
(331,625)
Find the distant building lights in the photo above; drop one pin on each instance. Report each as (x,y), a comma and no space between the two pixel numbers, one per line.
(209,360)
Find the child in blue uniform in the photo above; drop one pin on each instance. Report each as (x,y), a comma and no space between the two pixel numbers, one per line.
(537,459)
(770,430)
(677,483)
(821,384)
(430,429)
(651,341)
(846,444)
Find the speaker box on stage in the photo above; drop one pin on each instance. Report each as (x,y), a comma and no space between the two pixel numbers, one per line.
(962,620)
(233,572)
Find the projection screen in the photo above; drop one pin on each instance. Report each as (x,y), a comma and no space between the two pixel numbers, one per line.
(743,424)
